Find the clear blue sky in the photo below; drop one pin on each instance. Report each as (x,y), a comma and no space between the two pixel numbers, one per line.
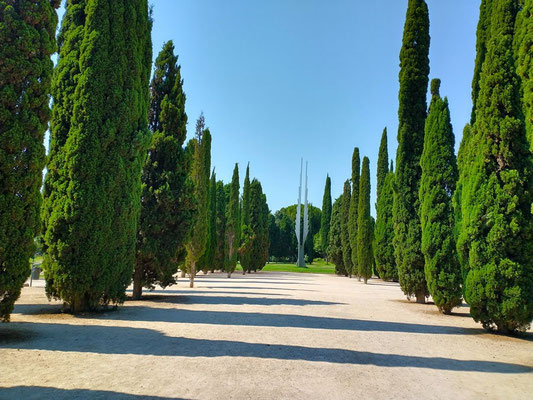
(282,79)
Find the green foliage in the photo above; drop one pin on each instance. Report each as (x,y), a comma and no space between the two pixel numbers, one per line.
(365,235)
(326,217)
(353,212)
(439,177)
(245,214)
(345,236)
(200,175)
(414,71)
(167,201)
(219,258)
(233,224)
(496,237)
(523,43)
(384,232)
(27,37)
(206,262)
(383,163)
(99,138)
(335,243)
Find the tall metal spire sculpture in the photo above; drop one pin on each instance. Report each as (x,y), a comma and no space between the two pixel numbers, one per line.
(301,236)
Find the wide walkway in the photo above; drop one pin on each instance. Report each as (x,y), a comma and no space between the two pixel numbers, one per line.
(260,336)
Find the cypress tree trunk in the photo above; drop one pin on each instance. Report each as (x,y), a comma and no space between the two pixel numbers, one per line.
(27,37)
(353,212)
(91,232)
(414,71)
(439,176)
(496,239)
(365,255)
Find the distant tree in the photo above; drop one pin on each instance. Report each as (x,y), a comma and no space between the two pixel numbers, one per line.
(233,224)
(383,163)
(200,175)
(384,231)
(27,37)
(220,232)
(245,219)
(335,244)
(99,138)
(167,201)
(365,235)
(353,212)
(345,236)
(439,177)
(414,71)
(496,238)
(326,218)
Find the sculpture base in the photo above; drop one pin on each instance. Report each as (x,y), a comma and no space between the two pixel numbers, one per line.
(301,258)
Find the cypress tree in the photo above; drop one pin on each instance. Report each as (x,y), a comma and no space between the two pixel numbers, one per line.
(345,236)
(255,245)
(414,71)
(439,177)
(200,175)
(207,260)
(91,233)
(220,224)
(383,163)
(496,240)
(365,235)
(167,201)
(246,233)
(384,232)
(523,39)
(245,215)
(27,34)
(335,243)
(233,224)
(326,218)
(352,213)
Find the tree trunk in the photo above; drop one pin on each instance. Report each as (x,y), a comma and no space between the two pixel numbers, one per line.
(243,271)
(137,283)
(366,280)
(421,298)
(229,274)
(191,275)
(183,272)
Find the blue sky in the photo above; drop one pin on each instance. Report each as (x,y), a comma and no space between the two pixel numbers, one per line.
(279,80)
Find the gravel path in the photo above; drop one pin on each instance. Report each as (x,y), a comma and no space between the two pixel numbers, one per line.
(260,336)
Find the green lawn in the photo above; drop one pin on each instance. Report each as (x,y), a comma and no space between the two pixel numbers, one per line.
(318,267)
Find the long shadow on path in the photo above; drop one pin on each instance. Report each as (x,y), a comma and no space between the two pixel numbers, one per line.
(40,392)
(141,341)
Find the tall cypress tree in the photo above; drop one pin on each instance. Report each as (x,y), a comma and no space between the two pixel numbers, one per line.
(200,175)
(91,232)
(384,231)
(245,223)
(27,34)
(437,185)
(523,39)
(335,243)
(383,163)
(345,236)
(206,262)
(255,245)
(167,202)
(353,211)
(220,234)
(245,215)
(496,239)
(233,224)
(365,255)
(414,71)
(326,218)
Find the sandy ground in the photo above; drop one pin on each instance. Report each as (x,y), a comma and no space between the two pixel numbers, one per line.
(260,336)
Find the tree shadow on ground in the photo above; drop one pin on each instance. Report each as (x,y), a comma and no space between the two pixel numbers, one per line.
(256,288)
(142,341)
(40,392)
(235,300)
(147,292)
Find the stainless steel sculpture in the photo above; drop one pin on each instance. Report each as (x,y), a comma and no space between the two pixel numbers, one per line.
(301,236)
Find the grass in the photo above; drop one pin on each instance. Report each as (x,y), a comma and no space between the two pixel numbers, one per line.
(318,267)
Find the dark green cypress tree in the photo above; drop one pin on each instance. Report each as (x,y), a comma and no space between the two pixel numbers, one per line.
(345,236)
(246,233)
(27,37)
(91,233)
(255,247)
(233,224)
(326,218)
(200,176)
(220,234)
(353,211)
(335,243)
(437,185)
(365,255)
(245,214)
(208,259)
(383,164)
(384,232)
(414,71)
(496,239)
(167,202)
(523,39)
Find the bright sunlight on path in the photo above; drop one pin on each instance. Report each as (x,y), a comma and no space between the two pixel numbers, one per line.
(268,335)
